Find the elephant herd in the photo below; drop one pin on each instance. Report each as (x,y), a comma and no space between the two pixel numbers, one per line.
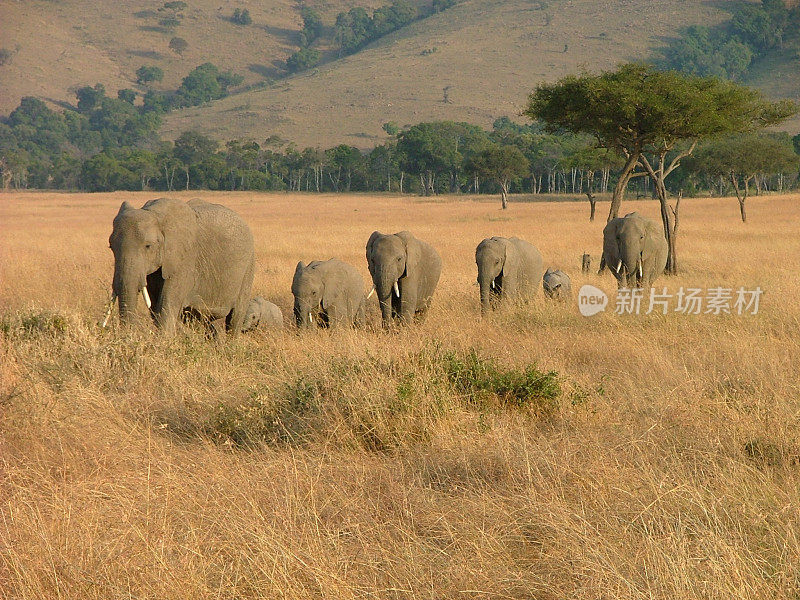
(195,259)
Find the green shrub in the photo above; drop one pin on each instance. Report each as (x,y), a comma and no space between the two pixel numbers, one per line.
(482,382)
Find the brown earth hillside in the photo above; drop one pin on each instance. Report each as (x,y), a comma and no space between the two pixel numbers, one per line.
(487,53)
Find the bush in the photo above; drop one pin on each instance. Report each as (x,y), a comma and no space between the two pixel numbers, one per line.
(482,383)
(303,59)
(178,45)
(127,95)
(352,404)
(241,17)
(146,74)
(204,84)
(5,56)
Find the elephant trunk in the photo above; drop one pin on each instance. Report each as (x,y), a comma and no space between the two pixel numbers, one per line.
(485,282)
(128,281)
(303,315)
(631,263)
(385,286)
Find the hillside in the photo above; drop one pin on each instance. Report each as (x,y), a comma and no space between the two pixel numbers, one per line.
(490,53)
(487,53)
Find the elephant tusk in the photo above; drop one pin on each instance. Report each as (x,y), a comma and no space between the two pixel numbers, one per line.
(109,311)
(146,297)
(619,265)
(491,285)
(396,289)
(310,318)
(372,291)
(640,269)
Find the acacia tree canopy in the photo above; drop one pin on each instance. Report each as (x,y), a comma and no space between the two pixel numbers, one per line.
(637,106)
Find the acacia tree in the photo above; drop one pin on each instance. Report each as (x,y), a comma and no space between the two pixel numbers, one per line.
(501,164)
(638,110)
(742,158)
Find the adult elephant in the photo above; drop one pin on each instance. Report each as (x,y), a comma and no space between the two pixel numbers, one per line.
(181,256)
(507,267)
(635,250)
(328,293)
(405,272)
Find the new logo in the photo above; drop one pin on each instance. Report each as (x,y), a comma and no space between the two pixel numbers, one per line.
(591,300)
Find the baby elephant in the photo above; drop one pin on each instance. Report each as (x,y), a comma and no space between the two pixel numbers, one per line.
(262,312)
(556,284)
(328,293)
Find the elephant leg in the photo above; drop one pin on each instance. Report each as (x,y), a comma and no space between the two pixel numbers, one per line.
(408,306)
(235,319)
(334,315)
(170,308)
(360,318)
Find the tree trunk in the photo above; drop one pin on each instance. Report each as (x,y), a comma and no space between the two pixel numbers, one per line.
(592,204)
(622,184)
(673,252)
(187,178)
(741,196)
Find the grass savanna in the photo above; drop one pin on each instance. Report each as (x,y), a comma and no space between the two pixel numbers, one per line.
(535,453)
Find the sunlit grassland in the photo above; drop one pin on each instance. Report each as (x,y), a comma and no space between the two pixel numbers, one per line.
(532,454)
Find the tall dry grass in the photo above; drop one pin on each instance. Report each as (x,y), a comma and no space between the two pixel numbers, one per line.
(351,464)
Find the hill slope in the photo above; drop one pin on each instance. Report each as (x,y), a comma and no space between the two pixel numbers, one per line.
(487,53)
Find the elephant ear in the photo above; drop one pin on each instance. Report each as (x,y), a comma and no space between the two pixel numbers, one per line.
(370,242)
(511,266)
(413,251)
(124,207)
(180,226)
(298,273)
(610,248)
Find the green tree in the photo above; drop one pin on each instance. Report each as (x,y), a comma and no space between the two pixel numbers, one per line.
(90,97)
(743,158)
(637,109)
(755,25)
(192,148)
(342,161)
(146,74)
(178,45)
(204,84)
(312,26)
(241,16)
(501,164)
(127,95)
(303,59)
(427,151)
(709,53)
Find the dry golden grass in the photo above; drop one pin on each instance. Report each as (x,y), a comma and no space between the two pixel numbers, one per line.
(341,465)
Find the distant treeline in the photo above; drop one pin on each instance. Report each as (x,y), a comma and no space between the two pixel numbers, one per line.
(728,50)
(109,144)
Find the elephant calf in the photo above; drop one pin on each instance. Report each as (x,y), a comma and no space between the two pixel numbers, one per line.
(506,267)
(556,284)
(635,250)
(405,272)
(262,312)
(328,293)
